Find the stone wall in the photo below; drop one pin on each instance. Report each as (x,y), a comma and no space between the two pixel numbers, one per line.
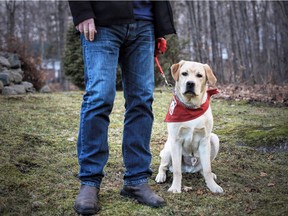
(11,76)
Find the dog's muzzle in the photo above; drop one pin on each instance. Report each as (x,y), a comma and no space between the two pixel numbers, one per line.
(190,88)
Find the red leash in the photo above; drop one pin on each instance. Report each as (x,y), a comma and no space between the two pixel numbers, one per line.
(159,66)
(161,49)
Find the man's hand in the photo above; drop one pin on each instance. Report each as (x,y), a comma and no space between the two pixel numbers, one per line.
(160,46)
(88,28)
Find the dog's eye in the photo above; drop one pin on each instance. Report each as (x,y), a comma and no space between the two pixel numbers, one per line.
(199,75)
(184,74)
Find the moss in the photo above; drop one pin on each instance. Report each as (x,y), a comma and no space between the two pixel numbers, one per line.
(259,126)
(269,137)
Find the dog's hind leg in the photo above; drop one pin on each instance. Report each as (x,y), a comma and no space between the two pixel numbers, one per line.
(214,140)
(204,150)
(164,165)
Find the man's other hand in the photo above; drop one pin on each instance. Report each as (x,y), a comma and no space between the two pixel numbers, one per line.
(87,28)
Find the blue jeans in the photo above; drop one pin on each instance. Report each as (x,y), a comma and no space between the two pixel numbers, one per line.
(132,46)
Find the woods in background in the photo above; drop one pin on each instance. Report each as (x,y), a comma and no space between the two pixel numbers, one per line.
(243,41)
(34,29)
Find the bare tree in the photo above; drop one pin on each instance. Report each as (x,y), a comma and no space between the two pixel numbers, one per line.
(10,6)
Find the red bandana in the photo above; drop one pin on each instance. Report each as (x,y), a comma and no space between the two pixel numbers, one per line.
(179,113)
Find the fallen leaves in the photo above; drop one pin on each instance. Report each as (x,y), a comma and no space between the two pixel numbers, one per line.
(263,174)
(271,184)
(274,94)
(71,139)
(200,191)
(187,189)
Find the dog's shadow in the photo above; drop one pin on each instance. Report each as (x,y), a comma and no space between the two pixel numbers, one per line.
(188,179)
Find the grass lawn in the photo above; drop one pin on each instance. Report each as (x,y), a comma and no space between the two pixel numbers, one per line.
(38,162)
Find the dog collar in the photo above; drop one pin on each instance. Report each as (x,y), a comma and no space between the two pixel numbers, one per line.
(177,112)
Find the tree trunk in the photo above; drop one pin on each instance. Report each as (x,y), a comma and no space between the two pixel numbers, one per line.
(233,43)
(10,10)
(214,42)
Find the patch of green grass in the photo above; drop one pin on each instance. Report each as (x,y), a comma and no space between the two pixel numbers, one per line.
(256,126)
(38,160)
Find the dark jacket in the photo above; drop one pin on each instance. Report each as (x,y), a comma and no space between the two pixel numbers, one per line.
(121,12)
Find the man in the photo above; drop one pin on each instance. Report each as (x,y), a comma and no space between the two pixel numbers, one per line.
(115,32)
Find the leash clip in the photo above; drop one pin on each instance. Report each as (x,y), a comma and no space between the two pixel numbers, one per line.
(168,85)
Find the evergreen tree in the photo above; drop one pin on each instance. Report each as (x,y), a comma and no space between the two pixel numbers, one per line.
(72,58)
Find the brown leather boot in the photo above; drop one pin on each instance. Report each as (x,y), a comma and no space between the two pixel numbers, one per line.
(143,194)
(87,201)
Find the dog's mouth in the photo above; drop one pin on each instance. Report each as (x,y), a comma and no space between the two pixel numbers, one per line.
(190,92)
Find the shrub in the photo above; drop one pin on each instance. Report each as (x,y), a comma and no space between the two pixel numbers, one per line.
(30,65)
(33,72)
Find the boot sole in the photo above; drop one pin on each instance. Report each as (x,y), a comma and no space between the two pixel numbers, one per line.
(85,212)
(132,196)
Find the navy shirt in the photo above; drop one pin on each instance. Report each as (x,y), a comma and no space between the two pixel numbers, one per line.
(143,10)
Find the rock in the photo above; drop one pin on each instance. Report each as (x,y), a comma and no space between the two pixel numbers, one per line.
(28,87)
(4,62)
(8,90)
(1,86)
(18,70)
(20,89)
(45,89)
(6,78)
(14,90)
(17,77)
(14,61)
(11,76)
(37,204)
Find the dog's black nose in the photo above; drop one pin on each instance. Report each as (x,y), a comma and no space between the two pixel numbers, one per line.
(190,85)
(190,88)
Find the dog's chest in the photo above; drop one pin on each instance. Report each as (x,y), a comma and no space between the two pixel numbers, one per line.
(191,136)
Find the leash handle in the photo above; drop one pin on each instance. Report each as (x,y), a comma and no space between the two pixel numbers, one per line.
(161,45)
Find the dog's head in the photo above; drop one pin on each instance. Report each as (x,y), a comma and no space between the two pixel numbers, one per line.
(191,81)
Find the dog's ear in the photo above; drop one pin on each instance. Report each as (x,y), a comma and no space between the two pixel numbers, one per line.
(175,68)
(210,75)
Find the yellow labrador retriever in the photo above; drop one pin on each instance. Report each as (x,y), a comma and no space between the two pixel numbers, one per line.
(191,145)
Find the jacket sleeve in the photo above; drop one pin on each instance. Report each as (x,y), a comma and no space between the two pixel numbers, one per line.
(163,16)
(81,10)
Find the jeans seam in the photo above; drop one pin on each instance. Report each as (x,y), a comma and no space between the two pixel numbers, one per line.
(135,182)
(90,184)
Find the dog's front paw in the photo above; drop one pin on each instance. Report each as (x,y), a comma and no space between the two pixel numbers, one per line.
(160,178)
(215,188)
(174,189)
